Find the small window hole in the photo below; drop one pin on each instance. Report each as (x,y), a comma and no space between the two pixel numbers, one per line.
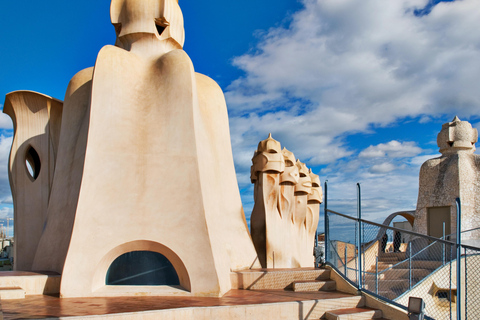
(161,24)
(32,163)
(160,29)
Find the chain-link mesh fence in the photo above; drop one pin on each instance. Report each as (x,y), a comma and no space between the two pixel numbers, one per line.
(395,264)
(471,260)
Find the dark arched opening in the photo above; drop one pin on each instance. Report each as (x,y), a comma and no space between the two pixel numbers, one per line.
(32,162)
(141,268)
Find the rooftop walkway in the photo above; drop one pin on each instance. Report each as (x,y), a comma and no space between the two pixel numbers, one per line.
(297,295)
(41,306)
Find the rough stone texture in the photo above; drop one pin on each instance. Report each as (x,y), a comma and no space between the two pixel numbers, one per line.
(286,211)
(454,174)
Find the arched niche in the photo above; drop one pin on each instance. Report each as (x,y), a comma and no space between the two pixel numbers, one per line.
(141,268)
(142,249)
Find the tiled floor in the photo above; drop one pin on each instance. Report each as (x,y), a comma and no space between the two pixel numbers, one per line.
(37,307)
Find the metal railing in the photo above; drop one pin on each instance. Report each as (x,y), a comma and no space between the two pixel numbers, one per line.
(423,266)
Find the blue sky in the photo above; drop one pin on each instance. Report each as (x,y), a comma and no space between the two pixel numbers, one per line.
(356,89)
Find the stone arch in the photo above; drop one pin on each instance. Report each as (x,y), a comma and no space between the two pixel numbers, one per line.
(408,215)
(140,245)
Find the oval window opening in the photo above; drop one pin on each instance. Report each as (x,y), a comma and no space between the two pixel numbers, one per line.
(141,268)
(32,162)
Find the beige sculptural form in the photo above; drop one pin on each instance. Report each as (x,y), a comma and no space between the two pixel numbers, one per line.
(456,173)
(135,165)
(286,212)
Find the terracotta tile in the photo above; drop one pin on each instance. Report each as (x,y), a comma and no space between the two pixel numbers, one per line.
(37,307)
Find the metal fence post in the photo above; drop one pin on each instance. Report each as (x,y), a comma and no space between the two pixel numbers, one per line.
(443,245)
(359,236)
(466,290)
(376,275)
(450,282)
(459,255)
(409,265)
(356,252)
(326,237)
(345,261)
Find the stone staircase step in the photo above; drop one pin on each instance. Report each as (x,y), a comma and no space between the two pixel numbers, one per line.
(390,260)
(267,279)
(8,293)
(314,285)
(397,273)
(386,283)
(398,255)
(387,275)
(383,265)
(389,294)
(324,305)
(422,264)
(416,264)
(353,314)
(312,280)
(32,282)
(419,273)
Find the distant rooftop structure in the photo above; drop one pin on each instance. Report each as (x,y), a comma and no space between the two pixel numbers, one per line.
(456,173)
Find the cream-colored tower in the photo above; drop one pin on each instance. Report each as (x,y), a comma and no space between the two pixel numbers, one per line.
(144,165)
(37,121)
(266,220)
(302,190)
(314,199)
(286,211)
(288,180)
(454,174)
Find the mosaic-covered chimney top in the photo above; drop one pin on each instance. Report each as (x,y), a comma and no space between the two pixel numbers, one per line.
(457,135)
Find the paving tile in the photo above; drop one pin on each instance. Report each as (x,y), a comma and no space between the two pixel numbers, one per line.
(43,306)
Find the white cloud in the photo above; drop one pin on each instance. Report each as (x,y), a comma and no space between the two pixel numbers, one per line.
(392,149)
(476,126)
(5,121)
(384,167)
(419,160)
(369,61)
(6,212)
(382,194)
(349,66)
(5,145)
(7,200)
(343,65)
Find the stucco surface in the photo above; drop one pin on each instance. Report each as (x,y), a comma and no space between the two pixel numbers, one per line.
(36,120)
(286,211)
(144,164)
